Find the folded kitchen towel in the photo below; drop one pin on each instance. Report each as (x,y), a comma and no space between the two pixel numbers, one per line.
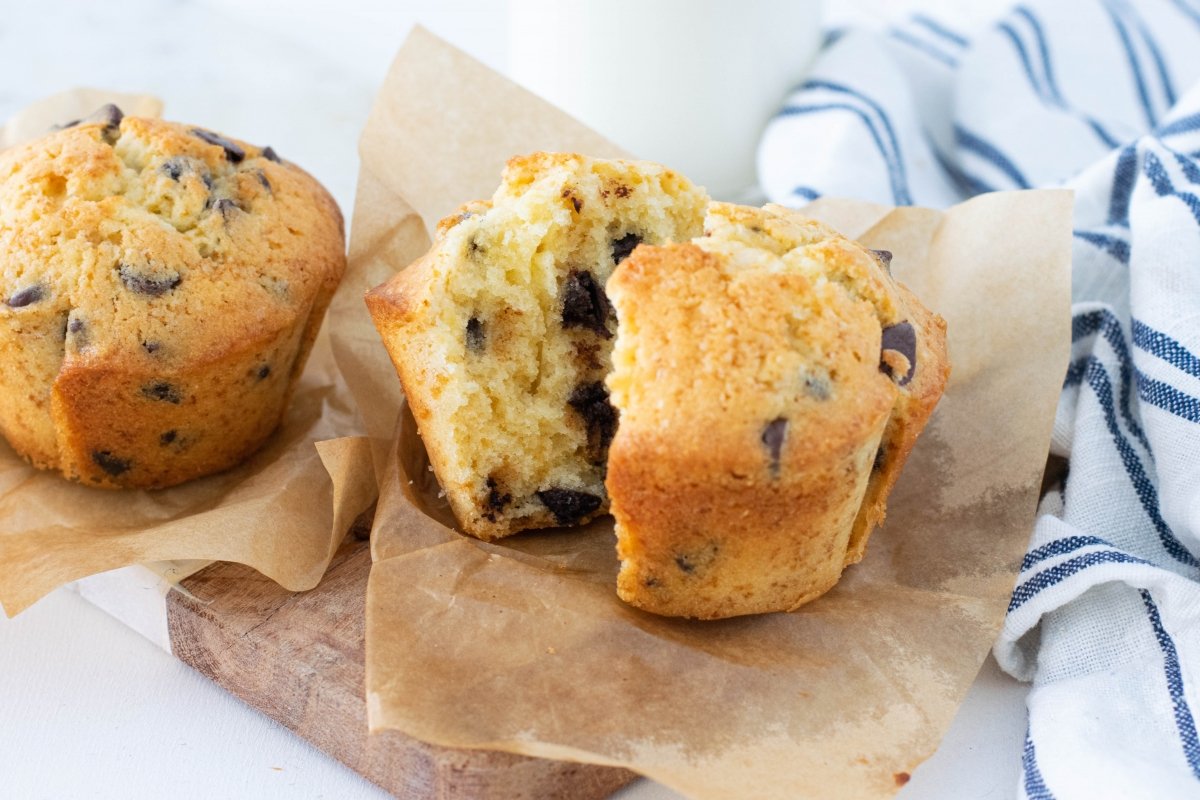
(1101,96)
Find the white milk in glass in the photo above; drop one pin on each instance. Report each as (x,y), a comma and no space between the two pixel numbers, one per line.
(689,83)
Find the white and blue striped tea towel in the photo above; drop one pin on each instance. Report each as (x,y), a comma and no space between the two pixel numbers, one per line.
(1102,96)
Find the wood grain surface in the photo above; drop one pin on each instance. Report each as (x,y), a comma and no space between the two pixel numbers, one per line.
(299,659)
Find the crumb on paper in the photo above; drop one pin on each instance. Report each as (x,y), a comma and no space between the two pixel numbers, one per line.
(901,778)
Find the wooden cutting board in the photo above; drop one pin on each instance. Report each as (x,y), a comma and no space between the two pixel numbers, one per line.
(299,659)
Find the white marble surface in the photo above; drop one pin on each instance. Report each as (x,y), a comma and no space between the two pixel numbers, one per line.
(88,708)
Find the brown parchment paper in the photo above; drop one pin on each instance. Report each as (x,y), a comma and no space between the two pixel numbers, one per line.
(283,512)
(523,645)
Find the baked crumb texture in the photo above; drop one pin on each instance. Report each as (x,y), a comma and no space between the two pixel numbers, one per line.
(502,335)
(161,288)
(771,378)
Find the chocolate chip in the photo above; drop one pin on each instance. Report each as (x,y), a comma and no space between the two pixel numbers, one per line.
(584,304)
(109,463)
(27,296)
(476,335)
(621,248)
(226,207)
(77,330)
(174,168)
(567,505)
(161,390)
(264,371)
(698,560)
(900,338)
(233,151)
(622,190)
(496,501)
(773,437)
(145,284)
(167,438)
(884,257)
(262,178)
(880,459)
(151,347)
(109,114)
(269,154)
(650,582)
(817,386)
(70,124)
(575,201)
(591,401)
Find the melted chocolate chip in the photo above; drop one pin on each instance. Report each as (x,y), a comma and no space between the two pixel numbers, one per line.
(476,335)
(567,505)
(167,438)
(151,347)
(773,437)
(685,564)
(584,304)
(148,285)
(77,330)
(264,371)
(111,464)
(621,248)
(591,401)
(269,154)
(161,390)
(262,178)
(233,151)
(884,257)
(27,296)
(76,326)
(575,201)
(900,338)
(496,500)
(622,190)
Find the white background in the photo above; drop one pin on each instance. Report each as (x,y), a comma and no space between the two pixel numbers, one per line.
(90,709)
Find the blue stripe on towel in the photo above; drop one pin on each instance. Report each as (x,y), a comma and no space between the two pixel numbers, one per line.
(1161,181)
(1135,65)
(1182,125)
(924,47)
(1052,576)
(899,176)
(1109,326)
(1097,377)
(1168,398)
(1124,177)
(1117,248)
(1184,722)
(1060,547)
(1035,784)
(806,193)
(941,30)
(1162,346)
(899,192)
(1160,64)
(990,153)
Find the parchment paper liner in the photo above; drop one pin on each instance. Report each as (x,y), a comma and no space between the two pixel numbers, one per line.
(279,513)
(523,646)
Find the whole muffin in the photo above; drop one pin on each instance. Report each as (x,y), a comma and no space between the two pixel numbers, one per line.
(501,334)
(771,378)
(161,288)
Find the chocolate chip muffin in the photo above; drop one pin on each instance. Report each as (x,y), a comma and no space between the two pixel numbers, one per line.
(162,285)
(771,378)
(502,334)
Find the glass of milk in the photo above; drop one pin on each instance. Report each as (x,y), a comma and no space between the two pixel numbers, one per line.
(688,83)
